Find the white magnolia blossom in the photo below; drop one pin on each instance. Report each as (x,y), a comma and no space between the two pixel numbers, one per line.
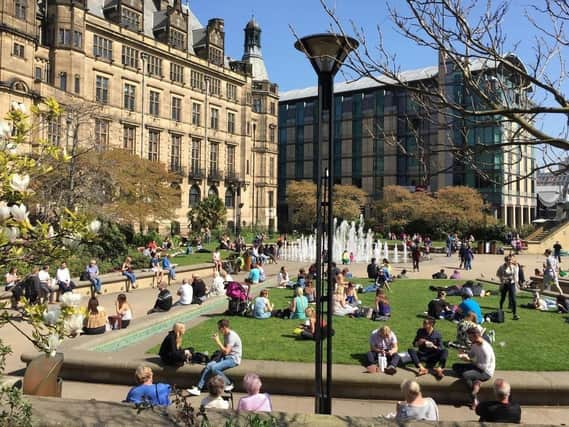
(69,299)
(5,129)
(12,233)
(73,325)
(4,211)
(51,316)
(95,226)
(19,182)
(19,106)
(51,345)
(50,232)
(19,212)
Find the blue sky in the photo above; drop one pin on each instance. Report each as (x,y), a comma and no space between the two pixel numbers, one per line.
(291,70)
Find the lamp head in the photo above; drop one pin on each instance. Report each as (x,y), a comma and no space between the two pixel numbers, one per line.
(326,52)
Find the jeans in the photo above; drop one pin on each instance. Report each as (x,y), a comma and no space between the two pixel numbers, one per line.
(510,289)
(65,287)
(130,275)
(392,360)
(171,272)
(96,284)
(431,358)
(216,368)
(470,373)
(468,264)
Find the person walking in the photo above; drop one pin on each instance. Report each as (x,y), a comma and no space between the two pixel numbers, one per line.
(509,276)
(550,272)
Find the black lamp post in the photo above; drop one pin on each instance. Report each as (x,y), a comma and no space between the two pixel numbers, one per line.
(326,53)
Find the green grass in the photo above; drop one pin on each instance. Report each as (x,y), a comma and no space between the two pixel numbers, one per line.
(536,342)
(198,258)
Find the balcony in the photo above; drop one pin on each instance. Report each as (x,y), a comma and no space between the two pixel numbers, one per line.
(178,170)
(196,173)
(214,175)
(232,177)
(265,147)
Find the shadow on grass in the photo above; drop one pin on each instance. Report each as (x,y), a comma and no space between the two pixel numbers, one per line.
(361,358)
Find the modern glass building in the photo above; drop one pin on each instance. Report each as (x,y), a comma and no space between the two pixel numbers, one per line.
(382,136)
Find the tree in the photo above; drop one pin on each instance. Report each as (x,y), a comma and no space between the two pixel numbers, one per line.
(452,209)
(210,212)
(301,199)
(496,87)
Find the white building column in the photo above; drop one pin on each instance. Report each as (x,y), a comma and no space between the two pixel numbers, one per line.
(505,214)
(514,225)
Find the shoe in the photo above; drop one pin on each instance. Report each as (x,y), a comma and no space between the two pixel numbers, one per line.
(390,370)
(194,391)
(229,387)
(422,371)
(516,317)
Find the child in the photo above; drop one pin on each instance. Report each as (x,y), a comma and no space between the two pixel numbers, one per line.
(215,387)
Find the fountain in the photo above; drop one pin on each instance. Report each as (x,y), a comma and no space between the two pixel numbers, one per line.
(385,251)
(395,253)
(404,252)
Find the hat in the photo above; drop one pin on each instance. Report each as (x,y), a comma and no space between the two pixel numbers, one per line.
(467,292)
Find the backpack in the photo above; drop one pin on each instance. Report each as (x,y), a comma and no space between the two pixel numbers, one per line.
(496,317)
(200,358)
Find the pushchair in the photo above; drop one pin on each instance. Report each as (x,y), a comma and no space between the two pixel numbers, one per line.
(238,299)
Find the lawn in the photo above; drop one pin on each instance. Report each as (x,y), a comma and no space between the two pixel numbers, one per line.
(536,342)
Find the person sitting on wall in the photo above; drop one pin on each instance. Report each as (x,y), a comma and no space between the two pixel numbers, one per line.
(430,350)
(168,267)
(163,301)
(199,290)
(171,352)
(146,391)
(383,342)
(501,410)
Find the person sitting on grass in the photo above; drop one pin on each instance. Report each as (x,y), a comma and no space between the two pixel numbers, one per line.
(439,308)
(440,274)
(455,275)
(309,328)
(352,296)
(382,309)
(430,350)
(96,320)
(171,352)
(163,301)
(146,391)
(298,305)
(262,307)
(467,305)
(383,342)
(254,274)
(215,387)
(501,410)
(372,269)
(254,401)
(415,407)
(469,321)
(231,350)
(310,292)
(341,308)
(284,280)
(562,304)
(481,364)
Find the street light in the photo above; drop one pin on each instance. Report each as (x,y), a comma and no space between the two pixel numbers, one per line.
(326,53)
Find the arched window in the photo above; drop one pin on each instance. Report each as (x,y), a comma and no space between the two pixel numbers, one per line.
(195,196)
(212,192)
(230,198)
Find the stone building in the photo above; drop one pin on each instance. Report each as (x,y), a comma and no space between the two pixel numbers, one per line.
(163,86)
(379,132)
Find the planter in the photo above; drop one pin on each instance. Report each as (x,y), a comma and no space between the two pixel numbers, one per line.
(42,376)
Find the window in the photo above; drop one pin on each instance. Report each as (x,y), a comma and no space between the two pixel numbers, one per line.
(214,122)
(129,138)
(77,83)
(257,105)
(102,47)
(175,153)
(176,73)
(154,66)
(130,19)
(196,114)
(231,90)
(177,39)
(154,103)
(63,81)
(101,133)
(38,73)
(215,87)
(215,56)
(271,133)
(229,198)
(18,50)
(176,108)
(77,39)
(153,145)
(272,108)
(102,90)
(129,57)
(231,122)
(196,79)
(271,168)
(195,157)
(20,9)
(129,97)
(271,199)
(54,131)
(195,196)
(213,158)
(230,160)
(64,37)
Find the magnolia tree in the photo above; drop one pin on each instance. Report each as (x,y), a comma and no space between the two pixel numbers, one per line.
(25,241)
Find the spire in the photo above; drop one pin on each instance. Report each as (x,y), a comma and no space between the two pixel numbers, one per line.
(252,50)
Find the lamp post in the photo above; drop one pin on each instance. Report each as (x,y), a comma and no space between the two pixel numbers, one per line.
(326,53)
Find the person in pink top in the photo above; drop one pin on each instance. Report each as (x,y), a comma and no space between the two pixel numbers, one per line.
(254,401)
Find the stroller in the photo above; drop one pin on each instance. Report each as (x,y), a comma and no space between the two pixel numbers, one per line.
(238,299)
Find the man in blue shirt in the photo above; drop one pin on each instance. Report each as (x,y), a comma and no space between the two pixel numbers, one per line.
(468,304)
(146,391)
(254,275)
(167,266)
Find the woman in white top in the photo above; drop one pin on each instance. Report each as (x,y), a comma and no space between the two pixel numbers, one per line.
(283,278)
(217,287)
(215,387)
(124,310)
(341,308)
(415,407)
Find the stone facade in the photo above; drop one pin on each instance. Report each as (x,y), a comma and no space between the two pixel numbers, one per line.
(160,85)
